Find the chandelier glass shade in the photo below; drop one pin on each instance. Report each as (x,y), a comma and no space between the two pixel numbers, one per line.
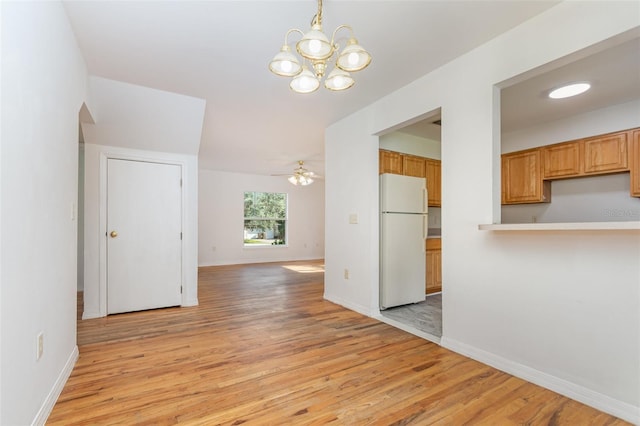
(304,82)
(285,63)
(316,50)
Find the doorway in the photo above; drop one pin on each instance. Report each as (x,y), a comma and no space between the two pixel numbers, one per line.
(144,235)
(414,150)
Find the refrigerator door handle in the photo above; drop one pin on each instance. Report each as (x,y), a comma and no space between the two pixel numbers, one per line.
(425,227)
(425,199)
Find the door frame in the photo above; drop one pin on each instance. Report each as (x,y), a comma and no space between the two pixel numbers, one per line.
(102,221)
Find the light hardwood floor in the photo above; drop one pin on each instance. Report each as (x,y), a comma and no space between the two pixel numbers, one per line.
(263,347)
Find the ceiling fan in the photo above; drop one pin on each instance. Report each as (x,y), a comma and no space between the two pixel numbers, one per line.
(301,175)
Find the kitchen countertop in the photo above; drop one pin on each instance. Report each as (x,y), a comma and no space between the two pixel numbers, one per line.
(434,233)
(573,226)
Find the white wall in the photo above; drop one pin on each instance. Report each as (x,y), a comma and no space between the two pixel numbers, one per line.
(593,199)
(605,120)
(136,123)
(221,219)
(44,81)
(402,142)
(142,118)
(80,208)
(558,308)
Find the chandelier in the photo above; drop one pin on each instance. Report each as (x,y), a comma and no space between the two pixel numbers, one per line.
(316,50)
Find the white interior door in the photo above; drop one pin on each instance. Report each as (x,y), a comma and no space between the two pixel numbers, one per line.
(144,255)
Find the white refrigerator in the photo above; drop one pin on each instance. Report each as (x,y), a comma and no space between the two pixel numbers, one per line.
(403,230)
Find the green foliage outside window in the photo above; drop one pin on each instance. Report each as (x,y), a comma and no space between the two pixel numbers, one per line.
(265,215)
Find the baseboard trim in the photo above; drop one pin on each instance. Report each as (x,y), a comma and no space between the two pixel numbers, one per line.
(91,315)
(352,306)
(571,390)
(52,397)
(190,302)
(232,262)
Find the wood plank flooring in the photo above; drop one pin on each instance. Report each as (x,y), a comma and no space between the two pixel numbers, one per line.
(264,348)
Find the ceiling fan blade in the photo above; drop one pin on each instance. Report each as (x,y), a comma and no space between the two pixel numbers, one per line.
(300,171)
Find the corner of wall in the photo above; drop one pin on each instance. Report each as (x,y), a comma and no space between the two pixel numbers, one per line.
(56,390)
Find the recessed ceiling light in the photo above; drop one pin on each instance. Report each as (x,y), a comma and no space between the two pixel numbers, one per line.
(569,90)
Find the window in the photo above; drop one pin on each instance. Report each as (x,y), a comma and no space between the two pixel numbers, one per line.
(265,219)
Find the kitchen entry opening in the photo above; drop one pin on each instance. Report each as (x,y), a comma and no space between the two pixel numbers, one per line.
(265,219)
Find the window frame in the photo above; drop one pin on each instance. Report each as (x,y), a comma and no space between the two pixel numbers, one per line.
(284,219)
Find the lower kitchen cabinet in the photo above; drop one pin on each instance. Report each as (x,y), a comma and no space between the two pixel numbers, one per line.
(434,266)
(635,163)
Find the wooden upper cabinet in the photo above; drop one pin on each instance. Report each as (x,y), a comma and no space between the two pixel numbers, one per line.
(606,154)
(561,160)
(634,162)
(527,175)
(522,178)
(433,174)
(425,167)
(413,165)
(390,162)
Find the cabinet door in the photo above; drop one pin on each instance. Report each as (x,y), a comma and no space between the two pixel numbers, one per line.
(522,180)
(561,160)
(433,173)
(413,166)
(390,162)
(606,153)
(634,158)
(437,263)
(433,279)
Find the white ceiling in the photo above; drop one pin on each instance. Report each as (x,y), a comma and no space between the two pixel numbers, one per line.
(220,50)
(613,70)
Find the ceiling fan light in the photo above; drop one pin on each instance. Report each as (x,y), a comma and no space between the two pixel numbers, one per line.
(305,82)
(338,80)
(293,179)
(285,63)
(315,45)
(353,57)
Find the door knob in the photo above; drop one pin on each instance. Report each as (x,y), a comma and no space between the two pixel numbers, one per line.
(114,234)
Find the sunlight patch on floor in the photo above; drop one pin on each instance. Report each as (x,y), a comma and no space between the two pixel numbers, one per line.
(305,269)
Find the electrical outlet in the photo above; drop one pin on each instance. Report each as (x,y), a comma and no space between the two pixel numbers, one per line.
(346,274)
(39,345)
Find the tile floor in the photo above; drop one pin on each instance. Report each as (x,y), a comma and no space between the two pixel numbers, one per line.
(425,316)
